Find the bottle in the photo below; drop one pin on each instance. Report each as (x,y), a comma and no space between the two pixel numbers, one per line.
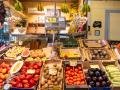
(6,27)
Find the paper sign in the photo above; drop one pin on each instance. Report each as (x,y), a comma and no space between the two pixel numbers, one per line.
(73,62)
(94,66)
(30,71)
(52,71)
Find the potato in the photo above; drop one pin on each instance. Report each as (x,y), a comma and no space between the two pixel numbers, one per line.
(42,83)
(46,85)
(56,83)
(53,80)
(55,77)
(45,80)
(59,80)
(49,82)
(60,70)
(50,86)
(51,76)
(54,65)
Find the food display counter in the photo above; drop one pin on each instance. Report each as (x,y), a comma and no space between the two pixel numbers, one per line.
(54,68)
(48,48)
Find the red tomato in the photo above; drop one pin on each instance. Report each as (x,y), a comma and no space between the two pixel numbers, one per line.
(80,72)
(17,78)
(83,82)
(26,85)
(32,81)
(79,67)
(36,66)
(1,80)
(36,77)
(82,78)
(13,83)
(66,75)
(75,73)
(67,68)
(25,67)
(78,82)
(74,79)
(37,71)
(71,78)
(72,73)
(82,75)
(78,79)
(76,70)
(71,70)
(24,81)
(75,83)
(39,64)
(29,76)
(68,72)
(1,84)
(19,85)
(71,81)
(22,76)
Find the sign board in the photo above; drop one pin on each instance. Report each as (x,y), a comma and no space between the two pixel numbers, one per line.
(55,23)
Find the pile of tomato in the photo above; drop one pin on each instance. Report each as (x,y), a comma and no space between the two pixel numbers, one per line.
(74,75)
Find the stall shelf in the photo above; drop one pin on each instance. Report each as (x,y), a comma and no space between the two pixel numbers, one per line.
(7,4)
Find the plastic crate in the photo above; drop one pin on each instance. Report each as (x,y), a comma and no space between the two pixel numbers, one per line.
(101,88)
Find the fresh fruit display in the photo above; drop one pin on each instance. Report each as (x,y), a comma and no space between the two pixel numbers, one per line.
(4,72)
(96,77)
(37,53)
(14,51)
(25,53)
(99,54)
(52,77)
(114,74)
(92,43)
(28,75)
(37,59)
(70,53)
(74,75)
(115,44)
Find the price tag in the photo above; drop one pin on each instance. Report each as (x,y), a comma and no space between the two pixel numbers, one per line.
(30,71)
(73,62)
(52,71)
(94,66)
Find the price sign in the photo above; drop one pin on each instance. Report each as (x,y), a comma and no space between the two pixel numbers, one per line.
(52,71)
(73,62)
(30,71)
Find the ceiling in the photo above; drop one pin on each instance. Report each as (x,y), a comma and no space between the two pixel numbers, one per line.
(44,0)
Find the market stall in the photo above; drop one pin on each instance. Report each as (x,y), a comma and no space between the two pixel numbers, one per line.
(40,57)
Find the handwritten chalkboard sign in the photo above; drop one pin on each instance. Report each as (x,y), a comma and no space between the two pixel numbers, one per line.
(97,24)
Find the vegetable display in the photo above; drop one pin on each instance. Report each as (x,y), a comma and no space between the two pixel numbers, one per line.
(99,54)
(97,78)
(52,77)
(4,72)
(74,75)
(57,68)
(28,75)
(114,74)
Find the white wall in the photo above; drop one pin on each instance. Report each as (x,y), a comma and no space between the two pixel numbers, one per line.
(98,13)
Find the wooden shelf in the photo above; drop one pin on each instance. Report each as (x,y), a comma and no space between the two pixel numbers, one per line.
(17,13)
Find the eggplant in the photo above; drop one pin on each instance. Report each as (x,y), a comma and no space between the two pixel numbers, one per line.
(97,84)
